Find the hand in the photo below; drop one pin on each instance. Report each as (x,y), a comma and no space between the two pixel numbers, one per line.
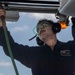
(2,14)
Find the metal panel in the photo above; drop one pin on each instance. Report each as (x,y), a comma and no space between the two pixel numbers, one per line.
(68,8)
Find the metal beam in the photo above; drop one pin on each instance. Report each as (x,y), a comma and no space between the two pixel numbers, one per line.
(32,6)
(32,1)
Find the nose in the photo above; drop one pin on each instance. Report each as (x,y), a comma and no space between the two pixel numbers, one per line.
(42,26)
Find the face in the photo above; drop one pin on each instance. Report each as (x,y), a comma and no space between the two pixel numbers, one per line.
(44,31)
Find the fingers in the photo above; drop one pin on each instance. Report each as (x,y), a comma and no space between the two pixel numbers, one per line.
(2,16)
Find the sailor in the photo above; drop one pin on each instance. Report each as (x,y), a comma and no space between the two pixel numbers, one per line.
(52,57)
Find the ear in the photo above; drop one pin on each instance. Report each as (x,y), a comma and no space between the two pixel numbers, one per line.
(39,42)
(56,27)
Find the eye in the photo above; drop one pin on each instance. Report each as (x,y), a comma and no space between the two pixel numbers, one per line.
(45,25)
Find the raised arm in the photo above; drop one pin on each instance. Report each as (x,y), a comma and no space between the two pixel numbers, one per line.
(22,53)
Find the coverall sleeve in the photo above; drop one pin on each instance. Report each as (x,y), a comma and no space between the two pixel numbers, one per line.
(73,27)
(20,52)
(73,32)
(72,43)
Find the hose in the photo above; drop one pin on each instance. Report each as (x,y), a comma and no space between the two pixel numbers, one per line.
(8,44)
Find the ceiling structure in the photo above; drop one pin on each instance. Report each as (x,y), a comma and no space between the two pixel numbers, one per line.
(46,6)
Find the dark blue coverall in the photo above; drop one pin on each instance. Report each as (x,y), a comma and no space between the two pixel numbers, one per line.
(42,59)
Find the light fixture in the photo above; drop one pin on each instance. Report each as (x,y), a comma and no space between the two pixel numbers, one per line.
(12,16)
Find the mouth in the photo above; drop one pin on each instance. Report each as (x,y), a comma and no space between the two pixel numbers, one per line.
(42,31)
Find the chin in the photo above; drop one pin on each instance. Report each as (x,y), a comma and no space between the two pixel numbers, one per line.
(43,38)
